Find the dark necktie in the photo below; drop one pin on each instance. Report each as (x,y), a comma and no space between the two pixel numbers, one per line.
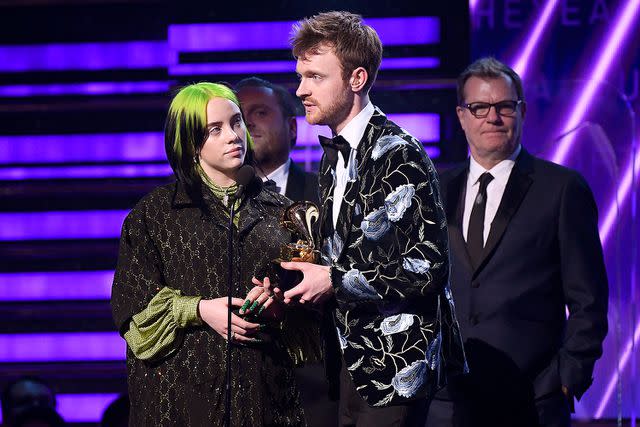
(331,146)
(271,185)
(475,233)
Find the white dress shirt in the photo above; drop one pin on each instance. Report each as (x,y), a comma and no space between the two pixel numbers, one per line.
(352,133)
(495,190)
(280,176)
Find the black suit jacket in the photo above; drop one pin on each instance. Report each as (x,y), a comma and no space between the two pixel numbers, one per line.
(543,251)
(301,185)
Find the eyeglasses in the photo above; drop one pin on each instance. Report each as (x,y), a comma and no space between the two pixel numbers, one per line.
(480,110)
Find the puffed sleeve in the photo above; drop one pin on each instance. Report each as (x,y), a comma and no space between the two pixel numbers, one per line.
(149,315)
(157,330)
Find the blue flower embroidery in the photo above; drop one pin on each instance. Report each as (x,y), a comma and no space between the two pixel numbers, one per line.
(343,340)
(415,265)
(433,352)
(375,224)
(332,248)
(354,283)
(394,324)
(409,380)
(399,201)
(352,169)
(384,144)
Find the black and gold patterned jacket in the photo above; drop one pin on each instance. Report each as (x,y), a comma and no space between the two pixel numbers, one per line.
(168,240)
(389,255)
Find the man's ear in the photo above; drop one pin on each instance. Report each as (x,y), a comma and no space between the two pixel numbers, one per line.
(460,114)
(359,79)
(292,124)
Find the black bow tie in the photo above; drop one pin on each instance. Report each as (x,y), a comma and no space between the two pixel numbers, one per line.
(271,185)
(331,146)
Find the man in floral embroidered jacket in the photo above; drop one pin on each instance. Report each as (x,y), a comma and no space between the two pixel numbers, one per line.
(384,234)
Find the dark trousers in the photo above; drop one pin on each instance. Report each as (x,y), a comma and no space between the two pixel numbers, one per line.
(354,411)
(319,410)
(476,411)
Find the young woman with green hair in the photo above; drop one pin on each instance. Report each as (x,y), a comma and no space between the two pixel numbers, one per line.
(169,295)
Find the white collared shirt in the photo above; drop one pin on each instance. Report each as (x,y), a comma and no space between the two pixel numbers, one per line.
(495,190)
(280,176)
(352,133)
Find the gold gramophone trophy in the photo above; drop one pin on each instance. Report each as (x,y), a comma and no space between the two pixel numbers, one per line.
(299,218)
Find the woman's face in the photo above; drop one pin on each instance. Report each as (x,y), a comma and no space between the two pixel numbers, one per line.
(224,150)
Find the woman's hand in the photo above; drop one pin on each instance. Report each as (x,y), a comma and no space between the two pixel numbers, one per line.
(262,302)
(214,313)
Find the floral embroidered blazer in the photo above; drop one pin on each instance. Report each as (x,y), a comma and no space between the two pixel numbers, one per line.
(394,315)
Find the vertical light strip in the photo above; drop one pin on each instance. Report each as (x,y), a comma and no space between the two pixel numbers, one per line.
(473,4)
(623,191)
(612,46)
(614,380)
(619,199)
(541,23)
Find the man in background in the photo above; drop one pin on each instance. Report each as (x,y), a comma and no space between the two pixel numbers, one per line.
(270,114)
(523,235)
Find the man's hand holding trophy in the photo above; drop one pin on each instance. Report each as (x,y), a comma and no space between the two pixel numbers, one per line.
(302,256)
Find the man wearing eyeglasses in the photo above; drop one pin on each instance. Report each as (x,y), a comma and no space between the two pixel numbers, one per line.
(524,245)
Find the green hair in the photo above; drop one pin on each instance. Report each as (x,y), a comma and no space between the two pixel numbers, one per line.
(185,131)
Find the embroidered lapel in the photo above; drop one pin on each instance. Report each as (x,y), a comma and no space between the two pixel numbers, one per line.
(352,189)
(325,182)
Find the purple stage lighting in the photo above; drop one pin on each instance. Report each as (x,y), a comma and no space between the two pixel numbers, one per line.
(94,88)
(256,67)
(619,199)
(612,46)
(139,146)
(84,56)
(193,38)
(541,23)
(62,347)
(84,172)
(47,286)
(311,155)
(61,225)
(82,408)
(423,126)
(149,146)
(624,359)
(216,37)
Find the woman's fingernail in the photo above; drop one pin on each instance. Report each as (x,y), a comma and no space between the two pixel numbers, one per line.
(245,305)
(254,305)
